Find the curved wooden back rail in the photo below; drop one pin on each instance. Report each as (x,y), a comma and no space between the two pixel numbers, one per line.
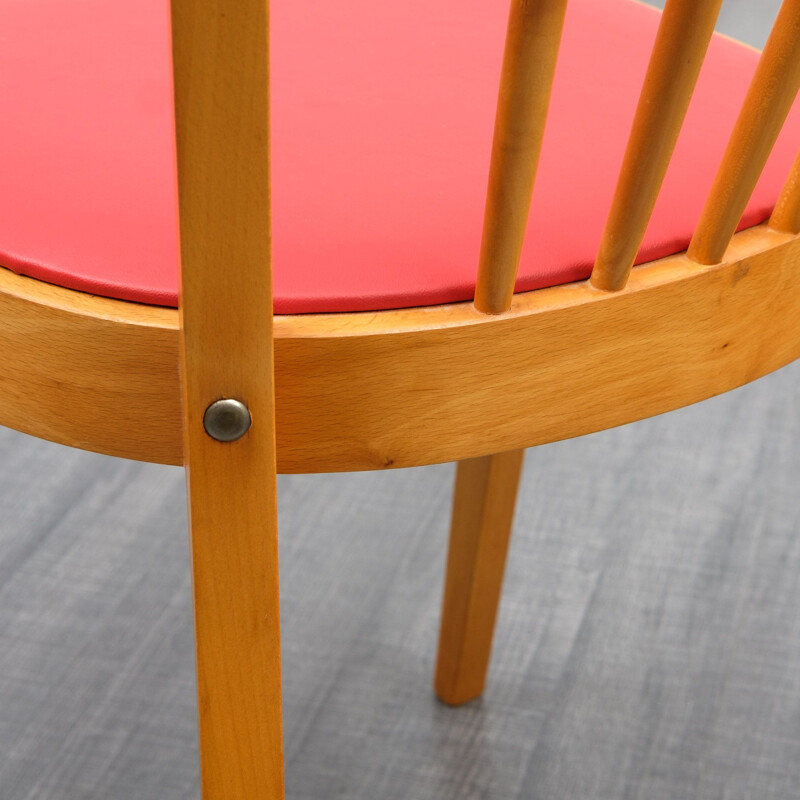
(418,386)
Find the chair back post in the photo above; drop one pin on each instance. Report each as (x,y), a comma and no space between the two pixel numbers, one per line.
(765,108)
(529,61)
(681,43)
(220,62)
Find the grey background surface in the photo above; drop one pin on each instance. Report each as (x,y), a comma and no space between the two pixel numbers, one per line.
(648,645)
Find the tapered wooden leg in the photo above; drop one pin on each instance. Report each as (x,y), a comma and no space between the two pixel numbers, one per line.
(235,562)
(483,510)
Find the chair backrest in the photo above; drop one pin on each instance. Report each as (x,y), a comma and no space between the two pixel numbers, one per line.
(222,107)
(221,68)
(683,37)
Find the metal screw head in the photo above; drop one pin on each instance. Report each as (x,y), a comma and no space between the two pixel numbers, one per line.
(226,420)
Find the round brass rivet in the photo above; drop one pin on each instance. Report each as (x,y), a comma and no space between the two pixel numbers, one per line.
(226,420)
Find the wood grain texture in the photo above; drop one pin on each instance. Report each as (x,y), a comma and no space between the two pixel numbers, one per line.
(222,121)
(786,214)
(680,47)
(768,101)
(444,384)
(483,512)
(90,372)
(404,388)
(529,61)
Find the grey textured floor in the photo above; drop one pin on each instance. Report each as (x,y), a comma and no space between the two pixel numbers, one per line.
(648,645)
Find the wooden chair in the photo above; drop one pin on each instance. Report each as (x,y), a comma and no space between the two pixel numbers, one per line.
(473,383)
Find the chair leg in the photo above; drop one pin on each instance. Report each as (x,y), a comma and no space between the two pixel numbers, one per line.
(235,571)
(483,510)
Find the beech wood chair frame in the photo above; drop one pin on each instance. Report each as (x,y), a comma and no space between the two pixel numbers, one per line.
(473,383)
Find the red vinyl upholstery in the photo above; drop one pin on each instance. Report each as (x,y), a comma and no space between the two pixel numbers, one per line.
(382,123)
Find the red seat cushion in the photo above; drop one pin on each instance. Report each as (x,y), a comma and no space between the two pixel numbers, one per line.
(382,125)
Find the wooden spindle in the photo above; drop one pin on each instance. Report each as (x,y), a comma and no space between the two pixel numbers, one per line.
(769,98)
(529,61)
(680,47)
(786,215)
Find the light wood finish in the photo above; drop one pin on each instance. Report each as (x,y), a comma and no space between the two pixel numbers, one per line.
(765,108)
(483,512)
(786,215)
(90,372)
(534,34)
(221,93)
(683,37)
(391,389)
